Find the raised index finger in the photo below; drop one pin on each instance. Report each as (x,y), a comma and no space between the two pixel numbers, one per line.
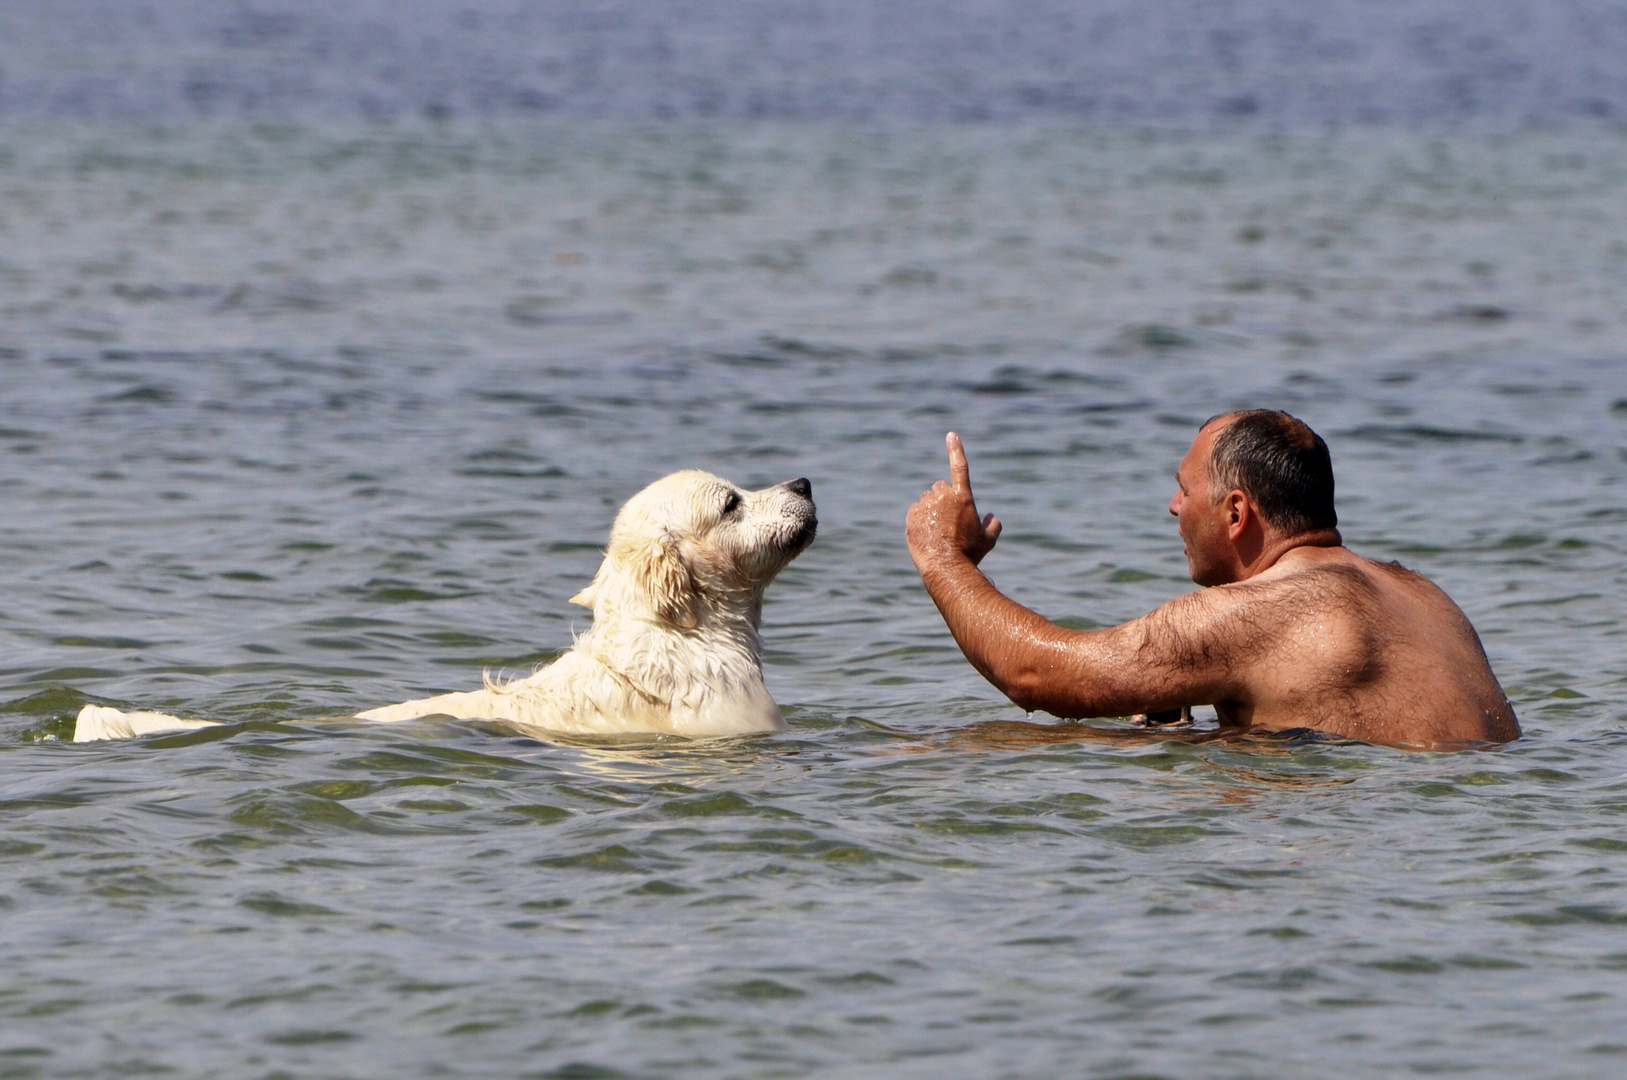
(960,474)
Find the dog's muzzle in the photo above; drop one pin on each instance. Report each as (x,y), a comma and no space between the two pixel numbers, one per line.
(802,488)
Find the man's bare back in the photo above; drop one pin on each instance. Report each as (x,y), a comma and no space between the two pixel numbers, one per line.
(1329,640)
(1296,631)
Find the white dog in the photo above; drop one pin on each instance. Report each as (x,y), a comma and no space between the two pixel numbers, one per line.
(674,647)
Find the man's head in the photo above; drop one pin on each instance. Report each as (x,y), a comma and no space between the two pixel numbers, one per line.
(1251,481)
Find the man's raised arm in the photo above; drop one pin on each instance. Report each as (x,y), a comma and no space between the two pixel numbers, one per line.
(1159,661)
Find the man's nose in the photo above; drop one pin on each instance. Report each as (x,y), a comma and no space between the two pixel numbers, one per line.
(802,487)
(1175,504)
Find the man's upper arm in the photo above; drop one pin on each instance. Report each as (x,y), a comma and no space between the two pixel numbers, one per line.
(1193,650)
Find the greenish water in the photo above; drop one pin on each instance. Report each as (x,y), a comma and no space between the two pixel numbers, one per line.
(305,419)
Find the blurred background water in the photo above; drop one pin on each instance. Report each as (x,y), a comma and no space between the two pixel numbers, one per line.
(1497,62)
(332,336)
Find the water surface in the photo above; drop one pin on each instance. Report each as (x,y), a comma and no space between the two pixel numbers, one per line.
(308,417)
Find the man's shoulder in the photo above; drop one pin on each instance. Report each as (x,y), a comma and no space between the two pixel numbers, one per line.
(1322,614)
(1331,582)
(1336,587)
(1336,568)
(1327,592)
(1340,575)
(1358,580)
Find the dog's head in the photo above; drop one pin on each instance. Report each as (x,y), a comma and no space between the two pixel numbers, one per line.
(693,546)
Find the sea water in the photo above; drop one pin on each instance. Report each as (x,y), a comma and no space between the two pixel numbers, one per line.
(310,414)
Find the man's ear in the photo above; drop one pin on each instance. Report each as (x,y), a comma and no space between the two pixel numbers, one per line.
(1239,513)
(658,573)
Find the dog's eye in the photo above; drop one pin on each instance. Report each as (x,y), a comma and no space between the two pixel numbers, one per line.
(732,503)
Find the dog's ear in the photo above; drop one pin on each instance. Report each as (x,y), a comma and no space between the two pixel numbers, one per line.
(590,591)
(660,573)
(645,575)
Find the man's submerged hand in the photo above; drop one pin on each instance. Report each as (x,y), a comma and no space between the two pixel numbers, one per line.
(945,519)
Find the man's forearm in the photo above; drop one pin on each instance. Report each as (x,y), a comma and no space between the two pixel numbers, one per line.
(1024,655)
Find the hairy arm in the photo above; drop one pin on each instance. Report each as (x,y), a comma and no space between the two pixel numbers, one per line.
(1184,653)
(1187,652)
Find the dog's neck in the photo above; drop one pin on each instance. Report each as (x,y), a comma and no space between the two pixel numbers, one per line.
(729,620)
(665,662)
(734,610)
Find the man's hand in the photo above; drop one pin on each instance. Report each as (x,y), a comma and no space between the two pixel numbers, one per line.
(945,519)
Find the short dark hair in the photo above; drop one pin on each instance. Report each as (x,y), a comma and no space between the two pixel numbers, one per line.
(1279,463)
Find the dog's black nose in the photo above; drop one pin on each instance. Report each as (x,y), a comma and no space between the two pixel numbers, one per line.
(802,487)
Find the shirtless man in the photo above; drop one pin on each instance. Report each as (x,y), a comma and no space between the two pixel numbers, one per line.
(1292,629)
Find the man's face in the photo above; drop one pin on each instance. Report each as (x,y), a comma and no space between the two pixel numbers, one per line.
(1202,520)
